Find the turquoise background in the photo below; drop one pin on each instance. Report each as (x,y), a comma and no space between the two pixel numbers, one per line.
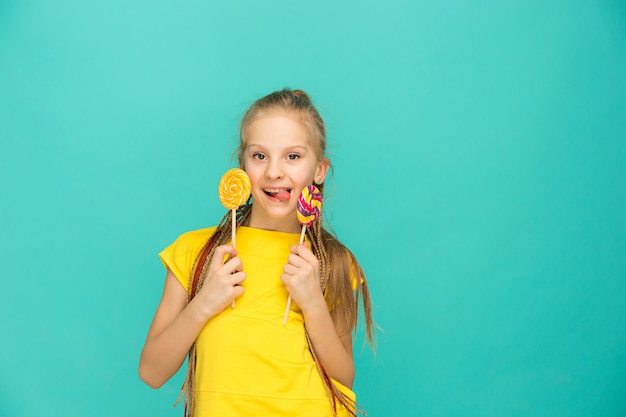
(479,151)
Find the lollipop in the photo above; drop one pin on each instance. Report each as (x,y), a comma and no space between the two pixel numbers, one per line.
(234,190)
(309,208)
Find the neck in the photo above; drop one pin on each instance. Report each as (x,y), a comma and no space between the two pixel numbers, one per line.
(277,225)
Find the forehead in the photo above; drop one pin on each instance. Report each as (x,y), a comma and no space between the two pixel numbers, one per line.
(278,127)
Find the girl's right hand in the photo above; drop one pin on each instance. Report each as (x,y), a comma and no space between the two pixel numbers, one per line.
(222,284)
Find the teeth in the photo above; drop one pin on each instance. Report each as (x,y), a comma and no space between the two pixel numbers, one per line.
(275,190)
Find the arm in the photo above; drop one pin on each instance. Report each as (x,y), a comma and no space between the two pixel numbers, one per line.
(176,324)
(332,341)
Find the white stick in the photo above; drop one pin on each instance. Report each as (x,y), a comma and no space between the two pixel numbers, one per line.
(234,214)
(289,298)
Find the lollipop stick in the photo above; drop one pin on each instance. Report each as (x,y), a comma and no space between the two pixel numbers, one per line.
(287,310)
(302,233)
(289,298)
(234,227)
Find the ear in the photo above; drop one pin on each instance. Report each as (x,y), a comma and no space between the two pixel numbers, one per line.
(240,159)
(321,171)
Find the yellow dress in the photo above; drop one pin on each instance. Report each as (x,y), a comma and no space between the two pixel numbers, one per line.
(248,363)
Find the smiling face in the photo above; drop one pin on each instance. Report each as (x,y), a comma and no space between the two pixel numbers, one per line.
(281,159)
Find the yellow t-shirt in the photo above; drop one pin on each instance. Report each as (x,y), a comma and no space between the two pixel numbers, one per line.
(248,363)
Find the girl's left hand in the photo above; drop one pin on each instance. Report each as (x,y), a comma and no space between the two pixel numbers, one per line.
(301,276)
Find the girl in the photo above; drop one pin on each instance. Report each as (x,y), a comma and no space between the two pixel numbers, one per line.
(243,361)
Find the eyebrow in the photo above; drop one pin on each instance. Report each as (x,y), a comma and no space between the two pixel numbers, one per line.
(288,148)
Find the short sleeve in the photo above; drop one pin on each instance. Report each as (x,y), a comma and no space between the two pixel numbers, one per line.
(181,254)
(355,278)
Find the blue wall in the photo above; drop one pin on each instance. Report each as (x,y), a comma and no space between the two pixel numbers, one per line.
(480,155)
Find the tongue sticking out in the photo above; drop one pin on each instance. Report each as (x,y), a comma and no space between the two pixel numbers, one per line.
(282,195)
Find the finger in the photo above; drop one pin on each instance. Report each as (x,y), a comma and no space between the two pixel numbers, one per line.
(220,253)
(296,261)
(236,278)
(238,291)
(289,269)
(303,251)
(302,261)
(233,265)
(286,280)
(305,244)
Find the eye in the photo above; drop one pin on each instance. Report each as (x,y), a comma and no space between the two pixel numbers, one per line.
(293,156)
(258,155)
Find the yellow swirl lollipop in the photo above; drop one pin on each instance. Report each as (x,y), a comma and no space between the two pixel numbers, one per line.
(234,188)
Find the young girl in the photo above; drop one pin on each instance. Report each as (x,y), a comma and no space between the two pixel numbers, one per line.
(242,360)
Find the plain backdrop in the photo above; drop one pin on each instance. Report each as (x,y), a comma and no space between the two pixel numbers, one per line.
(480,159)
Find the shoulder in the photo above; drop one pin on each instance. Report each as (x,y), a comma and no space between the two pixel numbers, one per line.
(190,243)
(180,255)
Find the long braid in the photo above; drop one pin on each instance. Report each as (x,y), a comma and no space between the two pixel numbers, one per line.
(199,271)
(319,239)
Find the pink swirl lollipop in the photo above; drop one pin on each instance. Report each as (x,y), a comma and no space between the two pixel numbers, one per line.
(309,205)
(309,208)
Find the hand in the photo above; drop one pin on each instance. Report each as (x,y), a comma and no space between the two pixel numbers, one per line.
(221,286)
(301,276)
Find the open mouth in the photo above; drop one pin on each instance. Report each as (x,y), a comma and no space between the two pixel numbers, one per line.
(280,194)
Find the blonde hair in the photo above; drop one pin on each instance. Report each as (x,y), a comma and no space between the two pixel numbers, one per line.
(341,277)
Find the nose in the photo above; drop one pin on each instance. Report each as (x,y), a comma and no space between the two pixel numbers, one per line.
(274,170)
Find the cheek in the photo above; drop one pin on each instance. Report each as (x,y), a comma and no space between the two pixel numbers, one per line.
(313,173)
(254,177)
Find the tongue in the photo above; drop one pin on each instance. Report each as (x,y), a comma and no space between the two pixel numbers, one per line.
(282,196)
